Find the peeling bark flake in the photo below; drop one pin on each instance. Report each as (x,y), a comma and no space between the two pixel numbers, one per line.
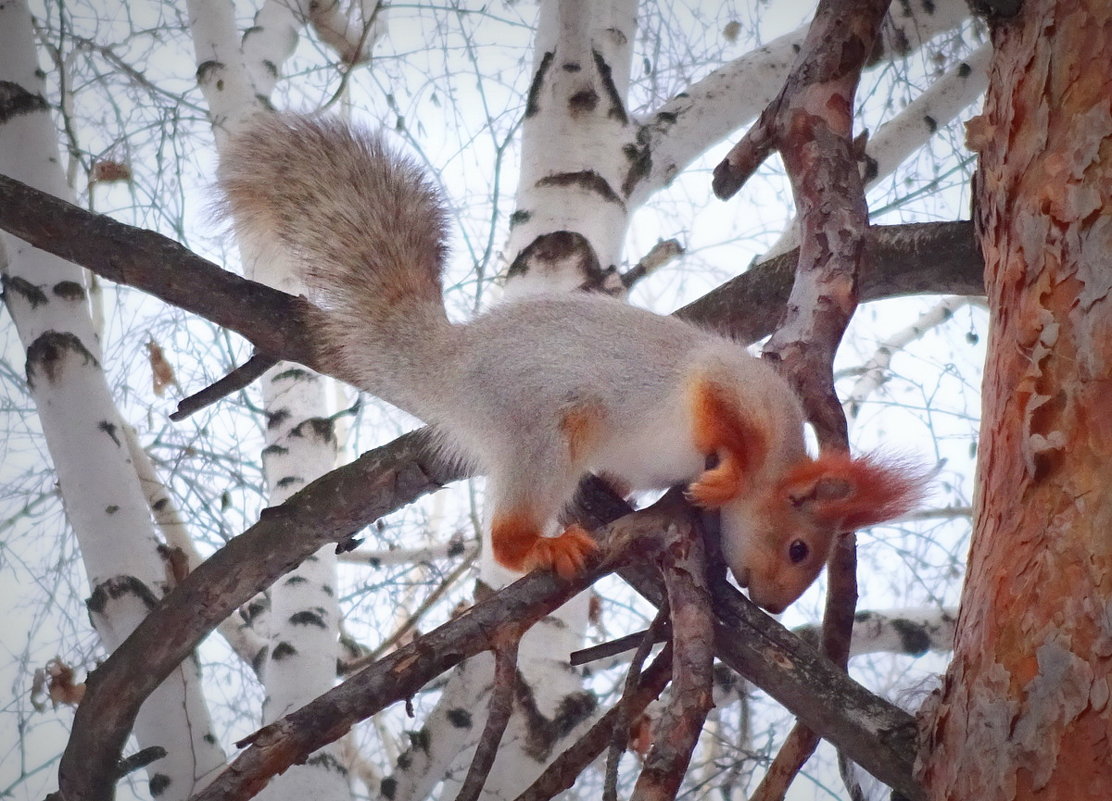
(283,650)
(588,180)
(158,784)
(532,102)
(109,428)
(69,290)
(309,617)
(460,718)
(1055,698)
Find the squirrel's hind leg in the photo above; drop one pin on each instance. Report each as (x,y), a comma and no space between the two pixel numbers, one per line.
(527,499)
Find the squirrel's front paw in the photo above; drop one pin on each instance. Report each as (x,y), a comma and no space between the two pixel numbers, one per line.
(717,486)
(566,554)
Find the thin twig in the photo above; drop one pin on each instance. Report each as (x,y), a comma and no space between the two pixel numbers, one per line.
(411,622)
(498,714)
(662,253)
(561,773)
(239,378)
(618,645)
(620,736)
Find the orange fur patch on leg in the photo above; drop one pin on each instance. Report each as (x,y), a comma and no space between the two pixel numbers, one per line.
(719,485)
(580,427)
(718,427)
(512,539)
(518,545)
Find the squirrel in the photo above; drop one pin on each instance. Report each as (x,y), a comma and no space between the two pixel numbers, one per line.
(538,391)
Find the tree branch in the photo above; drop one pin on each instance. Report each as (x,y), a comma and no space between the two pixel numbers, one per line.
(297,735)
(811,125)
(278,324)
(918,258)
(498,710)
(560,775)
(907,259)
(329,509)
(676,731)
(879,736)
(620,735)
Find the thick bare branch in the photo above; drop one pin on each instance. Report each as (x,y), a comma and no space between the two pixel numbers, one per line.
(676,731)
(902,260)
(877,735)
(328,510)
(811,124)
(277,323)
(621,734)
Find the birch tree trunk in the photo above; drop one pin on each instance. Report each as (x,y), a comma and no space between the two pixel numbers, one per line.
(48,301)
(1024,712)
(567,231)
(303,617)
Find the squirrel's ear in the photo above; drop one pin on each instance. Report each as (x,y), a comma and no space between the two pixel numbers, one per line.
(849,494)
(721,430)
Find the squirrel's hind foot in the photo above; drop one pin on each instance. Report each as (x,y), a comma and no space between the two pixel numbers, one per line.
(566,554)
(518,545)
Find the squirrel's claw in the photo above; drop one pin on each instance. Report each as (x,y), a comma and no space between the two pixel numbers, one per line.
(566,554)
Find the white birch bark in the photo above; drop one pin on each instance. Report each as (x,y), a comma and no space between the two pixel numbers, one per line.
(573,165)
(271,40)
(304,614)
(174,528)
(85,435)
(911,632)
(732,96)
(567,231)
(572,168)
(440,750)
(951,94)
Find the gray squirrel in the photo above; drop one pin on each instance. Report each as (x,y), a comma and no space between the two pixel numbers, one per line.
(539,391)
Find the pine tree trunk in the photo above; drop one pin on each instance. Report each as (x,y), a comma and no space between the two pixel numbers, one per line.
(1024,712)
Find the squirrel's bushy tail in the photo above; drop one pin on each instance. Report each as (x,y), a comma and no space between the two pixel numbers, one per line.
(367,229)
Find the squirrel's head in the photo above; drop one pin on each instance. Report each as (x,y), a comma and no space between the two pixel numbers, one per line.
(776,536)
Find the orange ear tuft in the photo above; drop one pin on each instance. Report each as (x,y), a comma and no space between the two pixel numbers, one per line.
(871,489)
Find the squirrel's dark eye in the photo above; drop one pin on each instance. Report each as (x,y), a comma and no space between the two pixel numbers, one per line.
(798,551)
